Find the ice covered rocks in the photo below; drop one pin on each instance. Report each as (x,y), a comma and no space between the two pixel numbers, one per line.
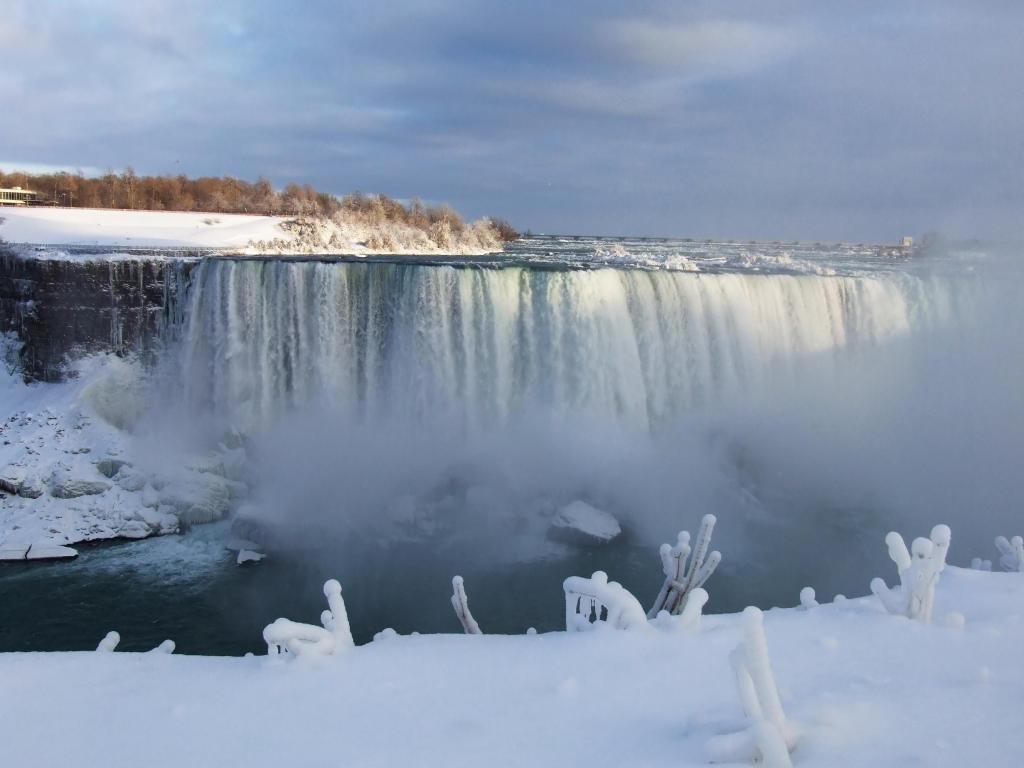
(19,481)
(110,466)
(65,484)
(248,556)
(580,523)
(197,497)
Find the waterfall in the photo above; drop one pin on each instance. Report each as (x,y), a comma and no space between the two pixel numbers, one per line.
(481,344)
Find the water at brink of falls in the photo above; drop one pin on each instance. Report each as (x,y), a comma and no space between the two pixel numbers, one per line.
(632,331)
(412,418)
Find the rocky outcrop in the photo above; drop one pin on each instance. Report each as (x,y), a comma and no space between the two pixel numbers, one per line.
(63,308)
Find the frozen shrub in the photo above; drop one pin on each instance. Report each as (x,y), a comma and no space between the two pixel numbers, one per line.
(285,637)
(919,571)
(808,598)
(770,737)
(1011,553)
(461,605)
(683,574)
(109,642)
(596,602)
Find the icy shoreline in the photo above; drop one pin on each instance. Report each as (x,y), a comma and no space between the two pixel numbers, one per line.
(864,687)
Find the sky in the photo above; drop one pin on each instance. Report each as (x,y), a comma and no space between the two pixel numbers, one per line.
(858,120)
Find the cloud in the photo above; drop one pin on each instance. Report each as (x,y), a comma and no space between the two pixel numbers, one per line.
(705,48)
(804,119)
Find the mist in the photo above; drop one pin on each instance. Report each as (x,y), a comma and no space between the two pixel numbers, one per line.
(806,473)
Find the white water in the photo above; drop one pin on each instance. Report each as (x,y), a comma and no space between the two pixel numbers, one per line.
(481,346)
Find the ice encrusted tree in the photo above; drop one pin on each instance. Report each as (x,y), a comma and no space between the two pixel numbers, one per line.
(683,573)
(597,602)
(461,605)
(285,637)
(919,571)
(770,737)
(1011,553)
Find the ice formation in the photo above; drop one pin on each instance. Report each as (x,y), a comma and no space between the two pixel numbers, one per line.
(808,598)
(597,602)
(286,637)
(681,580)
(586,523)
(461,605)
(1011,553)
(770,737)
(919,572)
(109,642)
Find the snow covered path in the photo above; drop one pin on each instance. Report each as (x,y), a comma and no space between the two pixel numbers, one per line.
(866,688)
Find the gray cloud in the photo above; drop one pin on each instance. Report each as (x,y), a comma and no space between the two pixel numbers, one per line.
(739,119)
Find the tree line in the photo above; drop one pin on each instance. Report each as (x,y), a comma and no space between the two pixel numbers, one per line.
(227,194)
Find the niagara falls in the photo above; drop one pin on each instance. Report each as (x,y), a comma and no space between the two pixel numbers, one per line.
(464,384)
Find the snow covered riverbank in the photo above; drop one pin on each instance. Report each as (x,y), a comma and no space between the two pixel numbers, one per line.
(865,688)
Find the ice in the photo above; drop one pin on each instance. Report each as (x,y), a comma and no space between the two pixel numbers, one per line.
(581,521)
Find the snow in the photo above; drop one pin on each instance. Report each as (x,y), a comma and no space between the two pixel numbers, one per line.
(67,473)
(864,688)
(143,229)
(49,229)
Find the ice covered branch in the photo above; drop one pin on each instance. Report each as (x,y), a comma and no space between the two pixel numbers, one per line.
(919,571)
(461,605)
(110,641)
(770,737)
(1011,553)
(289,637)
(684,573)
(594,602)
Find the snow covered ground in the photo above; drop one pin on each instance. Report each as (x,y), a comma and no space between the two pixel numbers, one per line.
(142,229)
(224,232)
(864,688)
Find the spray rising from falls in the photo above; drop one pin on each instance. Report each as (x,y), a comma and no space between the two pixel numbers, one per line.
(480,346)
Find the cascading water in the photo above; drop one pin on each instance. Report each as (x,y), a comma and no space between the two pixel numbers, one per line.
(481,344)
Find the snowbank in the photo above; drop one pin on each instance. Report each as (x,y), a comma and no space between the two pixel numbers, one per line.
(142,229)
(865,688)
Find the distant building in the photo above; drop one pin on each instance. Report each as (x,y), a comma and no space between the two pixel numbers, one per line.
(19,196)
(907,242)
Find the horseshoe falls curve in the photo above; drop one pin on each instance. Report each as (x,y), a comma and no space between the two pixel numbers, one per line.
(481,345)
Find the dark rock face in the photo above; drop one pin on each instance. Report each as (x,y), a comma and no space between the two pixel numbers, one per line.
(60,309)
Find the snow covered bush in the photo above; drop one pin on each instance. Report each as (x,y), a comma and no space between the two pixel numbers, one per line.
(770,737)
(977,564)
(597,602)
(808,598)
(683,574)
(1011,553)
(461,605)
(919,571)
(293,638)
